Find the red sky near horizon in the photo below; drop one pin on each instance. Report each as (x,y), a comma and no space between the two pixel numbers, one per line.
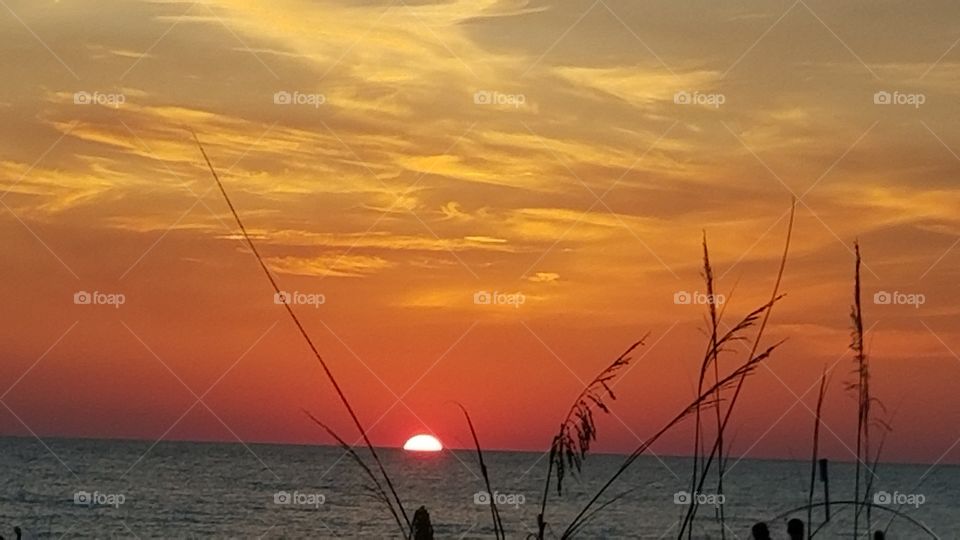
(397,160)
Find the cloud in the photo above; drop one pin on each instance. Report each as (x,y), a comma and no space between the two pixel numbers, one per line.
(544,277)
(384,241)
(640,87)
(334,265)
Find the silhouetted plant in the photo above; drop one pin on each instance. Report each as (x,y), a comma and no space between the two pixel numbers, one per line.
(861,387)
(567,451)
(865,402)
(377,488)
(494,513)
(578,430)
(747,322)
(729,381)
(399,510)
(712,356)
(815,451)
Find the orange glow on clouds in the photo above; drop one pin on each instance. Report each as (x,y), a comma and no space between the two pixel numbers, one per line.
(496,252)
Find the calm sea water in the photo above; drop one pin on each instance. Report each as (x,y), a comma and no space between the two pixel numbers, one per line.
(189,490)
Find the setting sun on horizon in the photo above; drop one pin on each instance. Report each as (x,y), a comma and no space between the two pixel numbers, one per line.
(423,443)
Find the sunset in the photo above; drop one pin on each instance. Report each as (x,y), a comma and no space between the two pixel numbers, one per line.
(423,443)
(301,268)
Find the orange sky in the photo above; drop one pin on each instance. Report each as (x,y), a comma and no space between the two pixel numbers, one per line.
(438,149)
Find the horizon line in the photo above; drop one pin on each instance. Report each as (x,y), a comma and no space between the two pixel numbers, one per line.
(468,449)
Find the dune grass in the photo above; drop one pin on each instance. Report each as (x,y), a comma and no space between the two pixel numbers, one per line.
(861,387)
(494,513)
(717,451)
(815,451)
(578,430)
(394,503)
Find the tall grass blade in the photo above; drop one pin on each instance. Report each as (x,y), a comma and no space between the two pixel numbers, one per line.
(378,490)
(494,513)
(775,295)
(861,386)
(814,457)
(306,337)
(712,356)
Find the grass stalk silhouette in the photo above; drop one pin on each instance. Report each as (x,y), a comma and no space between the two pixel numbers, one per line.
(377,488)
(593,513)
(578,430)
(316,353)
(498,530)
(714,321)
(712,356)
(814,454)
(861,387)
(730,380)
(865,403)
(738,388)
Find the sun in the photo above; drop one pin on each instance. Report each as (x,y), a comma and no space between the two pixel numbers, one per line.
(423,443)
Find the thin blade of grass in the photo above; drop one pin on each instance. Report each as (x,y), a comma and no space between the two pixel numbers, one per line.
(586,519)
(306,337)
(856,344)
(378,490)
(815,451)
(494,513)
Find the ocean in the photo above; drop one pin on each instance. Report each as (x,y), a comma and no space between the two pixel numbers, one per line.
(80,488)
